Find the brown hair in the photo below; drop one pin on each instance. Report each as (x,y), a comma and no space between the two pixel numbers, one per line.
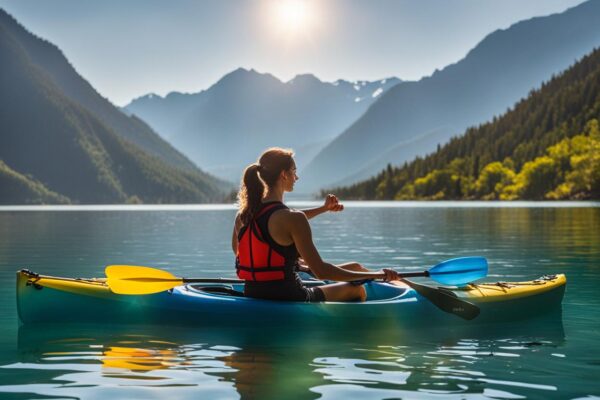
(258,177)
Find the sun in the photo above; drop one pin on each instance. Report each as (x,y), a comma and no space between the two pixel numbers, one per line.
(292,16)
(293,25)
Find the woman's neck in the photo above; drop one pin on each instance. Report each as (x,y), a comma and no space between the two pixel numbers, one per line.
(274,194)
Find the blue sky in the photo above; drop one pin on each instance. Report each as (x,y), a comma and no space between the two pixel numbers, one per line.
(127,48)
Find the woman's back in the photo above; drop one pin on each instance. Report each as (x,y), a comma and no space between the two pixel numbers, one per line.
(268,237)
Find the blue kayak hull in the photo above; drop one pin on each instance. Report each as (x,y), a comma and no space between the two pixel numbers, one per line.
(51,299)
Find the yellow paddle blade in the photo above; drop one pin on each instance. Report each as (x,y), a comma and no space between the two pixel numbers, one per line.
(135,271)
(129,279)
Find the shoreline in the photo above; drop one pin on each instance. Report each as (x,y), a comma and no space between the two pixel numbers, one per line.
(347,204)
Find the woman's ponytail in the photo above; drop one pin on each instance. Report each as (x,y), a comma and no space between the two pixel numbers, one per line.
(251,193)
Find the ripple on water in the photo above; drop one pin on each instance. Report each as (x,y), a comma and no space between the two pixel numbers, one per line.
(360,371)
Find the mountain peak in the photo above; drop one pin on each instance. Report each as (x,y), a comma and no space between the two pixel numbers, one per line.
(149,96)
(243,75)
(304,79)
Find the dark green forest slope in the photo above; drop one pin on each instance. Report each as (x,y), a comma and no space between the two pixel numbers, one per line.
(546,147)
(54,149)
(25,190)
(50,58)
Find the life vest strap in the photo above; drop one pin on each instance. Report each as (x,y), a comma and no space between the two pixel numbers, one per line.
(251,257)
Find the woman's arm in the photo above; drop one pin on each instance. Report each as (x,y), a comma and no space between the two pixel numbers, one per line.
(331,204)
(299,229)
(313,212)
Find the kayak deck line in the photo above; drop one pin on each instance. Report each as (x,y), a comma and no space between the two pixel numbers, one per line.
(95,287)
(502,291)
(35,277)
(503,284)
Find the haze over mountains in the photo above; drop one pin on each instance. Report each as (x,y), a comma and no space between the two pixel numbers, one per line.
(61,141)
(414,117)
(225,127)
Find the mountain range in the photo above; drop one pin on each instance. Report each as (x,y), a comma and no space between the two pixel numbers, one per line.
(63,142)
(413,118)
(227,126)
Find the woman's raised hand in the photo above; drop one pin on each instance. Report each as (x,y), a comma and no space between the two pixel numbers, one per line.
(332,203)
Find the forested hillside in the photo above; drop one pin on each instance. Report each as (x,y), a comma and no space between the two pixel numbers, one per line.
(412,118)
(56,148)
(546,147)
(20,189)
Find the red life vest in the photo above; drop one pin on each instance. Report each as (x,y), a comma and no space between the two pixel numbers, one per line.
(259,257)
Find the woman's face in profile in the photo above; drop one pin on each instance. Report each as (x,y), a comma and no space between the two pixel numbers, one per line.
(291,178)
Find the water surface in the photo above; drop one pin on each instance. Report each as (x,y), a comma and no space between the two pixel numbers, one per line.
(552,358)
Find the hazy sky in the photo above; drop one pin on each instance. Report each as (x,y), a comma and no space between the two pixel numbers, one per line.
(127,48)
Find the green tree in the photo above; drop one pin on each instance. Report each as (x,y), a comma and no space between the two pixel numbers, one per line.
(437,185)
(536,179)
(492,180)
(582,180)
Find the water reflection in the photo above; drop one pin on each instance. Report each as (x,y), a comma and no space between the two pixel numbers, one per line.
(86,361)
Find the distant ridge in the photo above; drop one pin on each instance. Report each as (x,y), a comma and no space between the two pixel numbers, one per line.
(225,127)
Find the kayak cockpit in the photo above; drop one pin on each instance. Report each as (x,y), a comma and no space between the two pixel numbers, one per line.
(223,290)
(376,291)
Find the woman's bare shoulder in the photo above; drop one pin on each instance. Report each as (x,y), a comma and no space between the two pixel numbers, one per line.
(289,215)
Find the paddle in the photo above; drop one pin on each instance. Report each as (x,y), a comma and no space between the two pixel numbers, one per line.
(457,271)
(126,279)
(445,300)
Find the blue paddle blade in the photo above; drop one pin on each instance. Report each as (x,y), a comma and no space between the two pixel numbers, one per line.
(459,271)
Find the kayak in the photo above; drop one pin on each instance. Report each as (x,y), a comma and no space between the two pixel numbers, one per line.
(51,299)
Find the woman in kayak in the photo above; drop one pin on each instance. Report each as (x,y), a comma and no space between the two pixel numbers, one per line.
(268,239)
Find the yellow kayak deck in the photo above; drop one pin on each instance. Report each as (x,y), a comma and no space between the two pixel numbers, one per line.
(503,291)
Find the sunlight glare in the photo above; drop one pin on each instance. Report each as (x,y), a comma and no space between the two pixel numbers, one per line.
(292,15)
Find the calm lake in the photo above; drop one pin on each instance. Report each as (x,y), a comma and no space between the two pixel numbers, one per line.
(559,358)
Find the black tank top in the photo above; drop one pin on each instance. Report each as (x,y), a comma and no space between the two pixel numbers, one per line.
(289,252)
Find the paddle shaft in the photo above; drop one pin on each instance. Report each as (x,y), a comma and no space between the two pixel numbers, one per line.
(228,280)
(211,280)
